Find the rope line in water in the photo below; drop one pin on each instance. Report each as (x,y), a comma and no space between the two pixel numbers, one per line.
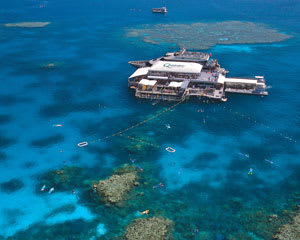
(139,140)
(121,132)
(85,143)
(262,124)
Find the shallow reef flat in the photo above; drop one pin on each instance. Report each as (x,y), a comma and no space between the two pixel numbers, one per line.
(115,188)
(155,228)
(205,35)
(290,231)
(27,24)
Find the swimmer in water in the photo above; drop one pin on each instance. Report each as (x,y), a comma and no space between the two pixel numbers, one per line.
(43,188)
(168,126)
(269,161)
(51,190)
(140,168)
(94,188)
(244,154)
(250,171)
(57,125)
(158,185)
(144,212)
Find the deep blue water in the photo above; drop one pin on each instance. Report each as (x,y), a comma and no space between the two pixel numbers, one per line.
(87,93)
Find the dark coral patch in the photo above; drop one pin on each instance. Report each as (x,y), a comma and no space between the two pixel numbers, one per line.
(3,156)
(29,164)
(11,100)
(67,208)
(75,158)
(64,104)
(6,142)
(58,109)
(4,119)
(12,215)
(12,185)
(47,141)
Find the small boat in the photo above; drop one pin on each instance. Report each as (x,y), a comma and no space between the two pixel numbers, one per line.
(160,10)
(138,64)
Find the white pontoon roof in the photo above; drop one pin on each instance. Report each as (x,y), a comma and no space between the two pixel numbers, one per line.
(140,72)
(221,79)
(240,80)
(180,67)
(147,82)
(175,84)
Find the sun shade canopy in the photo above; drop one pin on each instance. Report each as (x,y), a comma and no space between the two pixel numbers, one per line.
(147,82)
(140,72)
(175,84)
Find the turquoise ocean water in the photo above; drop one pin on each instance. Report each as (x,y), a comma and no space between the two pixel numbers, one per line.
(208,192)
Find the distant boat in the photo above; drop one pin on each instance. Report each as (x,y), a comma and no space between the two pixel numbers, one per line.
(160,10)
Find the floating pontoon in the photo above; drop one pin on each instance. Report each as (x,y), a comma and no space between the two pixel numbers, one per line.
(184,74)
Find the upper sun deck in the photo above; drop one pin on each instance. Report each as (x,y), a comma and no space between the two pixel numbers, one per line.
(184,55)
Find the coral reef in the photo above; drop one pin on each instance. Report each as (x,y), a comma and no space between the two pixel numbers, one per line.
(63,179)
(11,185)
(257,222)
(261,223)
(289,231)
(115,188)
(27,24)
(235,203)
(155,228)
(205,35)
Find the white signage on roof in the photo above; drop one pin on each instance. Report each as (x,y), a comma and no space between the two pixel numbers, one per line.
(169,65)
(180,67)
